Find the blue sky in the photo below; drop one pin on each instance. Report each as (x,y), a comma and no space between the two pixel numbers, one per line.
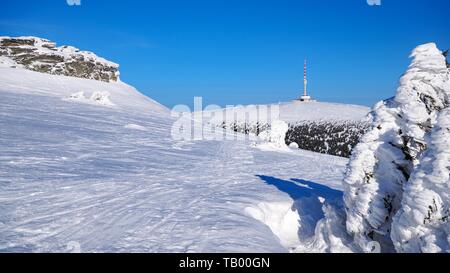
(243,51)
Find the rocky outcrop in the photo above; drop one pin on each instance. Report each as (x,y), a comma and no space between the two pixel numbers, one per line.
(44,56)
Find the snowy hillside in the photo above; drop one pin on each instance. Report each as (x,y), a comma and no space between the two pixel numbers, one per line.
(294,112)
(91,166)
(328,128)
(117,95)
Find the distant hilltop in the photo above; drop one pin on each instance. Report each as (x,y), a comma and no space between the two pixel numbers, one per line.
(42,55)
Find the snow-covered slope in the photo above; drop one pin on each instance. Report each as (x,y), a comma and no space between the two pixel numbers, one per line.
(79,174)
(315,111)
(294,112)
(76,90)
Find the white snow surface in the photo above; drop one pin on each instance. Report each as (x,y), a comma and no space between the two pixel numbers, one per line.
(274,138)
(89,177)
(123,96)
(290,112)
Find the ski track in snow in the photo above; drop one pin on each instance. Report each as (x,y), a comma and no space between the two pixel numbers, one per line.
(74,173)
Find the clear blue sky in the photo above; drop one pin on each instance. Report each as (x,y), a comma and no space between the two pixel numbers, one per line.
(243,51)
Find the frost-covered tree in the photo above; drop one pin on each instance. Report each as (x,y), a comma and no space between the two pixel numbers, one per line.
(422,224)
(446,56)
(276,134)
(390,152)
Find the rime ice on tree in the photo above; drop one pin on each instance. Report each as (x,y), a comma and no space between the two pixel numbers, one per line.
(386,162)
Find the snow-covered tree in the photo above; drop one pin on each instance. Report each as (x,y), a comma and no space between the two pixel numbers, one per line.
(391,151)
(422,224)
(276,134)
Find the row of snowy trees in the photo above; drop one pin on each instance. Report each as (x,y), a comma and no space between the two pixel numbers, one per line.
(397,186)
(333,138)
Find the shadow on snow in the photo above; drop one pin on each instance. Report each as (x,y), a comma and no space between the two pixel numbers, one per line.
(299,188)
(307,201)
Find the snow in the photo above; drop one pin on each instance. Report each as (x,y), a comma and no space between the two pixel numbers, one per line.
(330,234)
(78,96)
(293,145)
(274,138)
(316,126)
(385,174)
(290,112)
(91,166)
(315,111)
(83,177)
(100,98)
(281,218)
(7,62)
(123,96)
(422,224)
(278,131)
(135,127)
